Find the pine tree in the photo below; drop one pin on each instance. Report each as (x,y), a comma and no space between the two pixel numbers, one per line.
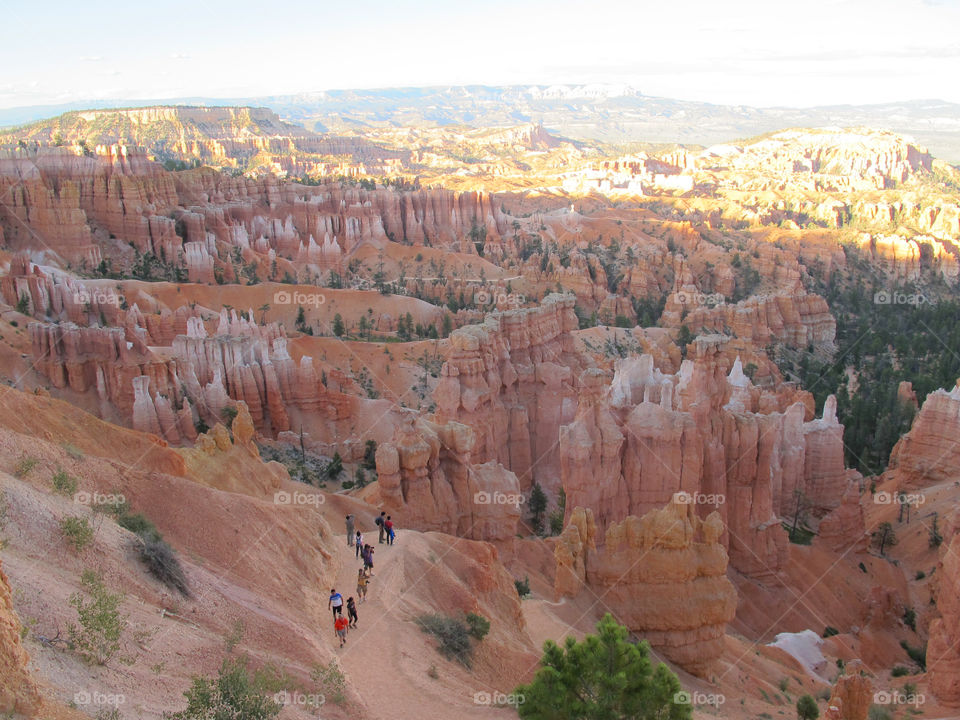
(603,676)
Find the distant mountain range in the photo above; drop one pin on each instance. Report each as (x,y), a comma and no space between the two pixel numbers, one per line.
(607,113)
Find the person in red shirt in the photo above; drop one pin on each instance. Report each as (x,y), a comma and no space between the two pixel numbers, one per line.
(340,625)
(388,524)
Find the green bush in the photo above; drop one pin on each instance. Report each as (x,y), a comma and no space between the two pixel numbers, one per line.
(77,532)
(479,625)
(807,708)
(603,676)
(523,586)
(899,671)
(878,712)
(452,634)
(331,681)
(918,655)
(910,618)
(830,631)
(97,639)
(139,525)
(24,467)
(64,484)
(234,693)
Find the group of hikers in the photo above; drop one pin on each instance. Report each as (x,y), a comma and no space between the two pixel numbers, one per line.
(363,550)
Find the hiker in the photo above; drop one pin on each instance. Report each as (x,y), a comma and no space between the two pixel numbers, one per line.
(379,521)
(350,519)
(388,524)
(335,603)
(358,542)
(352,612)
(368,559)
(340,625)
(362,581)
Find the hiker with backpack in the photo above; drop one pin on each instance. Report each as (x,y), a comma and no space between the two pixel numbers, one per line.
(388,524)
(352,612)
(368,559)
(362,581)
(380,521)
(340,625)
(335,603)
(358,541)
(350,528)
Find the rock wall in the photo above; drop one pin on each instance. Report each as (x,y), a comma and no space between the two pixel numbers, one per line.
(512,380)
(18,693)
(642,436)
(943,646)
(195,378)
(928,454)
(86,207)
(678,598)
(429,479)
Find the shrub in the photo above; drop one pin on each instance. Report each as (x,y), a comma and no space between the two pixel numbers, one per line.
(807,708)
(863,568)
(331,680)
(24,467)
(910,618)
(162,563)
(73,451)
(784,682)
(830,631)
(921,575)
(603,676)
(235,693)
(899,671)
(63,483)
(77,532)
(878,712)
(479,625)
(918,655)
(523,586)
(97,639)
(138,525)
(452,634)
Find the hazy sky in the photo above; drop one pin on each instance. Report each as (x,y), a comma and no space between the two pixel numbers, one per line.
(768,52)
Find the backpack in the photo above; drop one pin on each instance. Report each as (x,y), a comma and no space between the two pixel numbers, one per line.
(378,521)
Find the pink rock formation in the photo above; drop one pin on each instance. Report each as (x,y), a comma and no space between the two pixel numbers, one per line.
(428,480)
(570,553)
(711,434)
(18,692)
(511,380)
(844,529)
(678,597)
(943,647)
(852,695)
(928,454)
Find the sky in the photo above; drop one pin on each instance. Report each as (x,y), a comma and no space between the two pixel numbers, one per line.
(742,52)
